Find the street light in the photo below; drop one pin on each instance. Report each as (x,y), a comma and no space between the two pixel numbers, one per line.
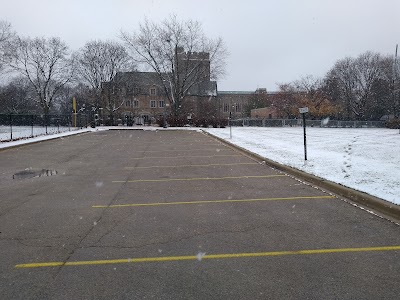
(230,121)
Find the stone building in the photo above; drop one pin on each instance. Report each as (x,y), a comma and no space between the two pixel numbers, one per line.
(232,103)
(143,97)
(140,96)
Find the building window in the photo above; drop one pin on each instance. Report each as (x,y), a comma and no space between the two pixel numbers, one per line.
(135,103)
(161,103)
(153,103)
(226,107)
(152,91)
(128,103)
(238,107)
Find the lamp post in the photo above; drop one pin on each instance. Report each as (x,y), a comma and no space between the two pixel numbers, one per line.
(230,121)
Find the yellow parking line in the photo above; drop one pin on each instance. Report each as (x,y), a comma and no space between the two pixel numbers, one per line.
(174,142)
(188,150)
(196,179)
(187,166)
(183,156)
(214,201)
(207,256)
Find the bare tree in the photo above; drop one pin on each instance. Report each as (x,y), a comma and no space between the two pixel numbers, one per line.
(99,62)
(310,92)
(180,53)
(6,34)
(5,31)
(362,85)
(341,84)
(112,96)
(367,72)
(16,97)
(391,71)
(286,101)
(44,62)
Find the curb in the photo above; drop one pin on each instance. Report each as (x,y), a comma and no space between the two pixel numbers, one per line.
(387,209)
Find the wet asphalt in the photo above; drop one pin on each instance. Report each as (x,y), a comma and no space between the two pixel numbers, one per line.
(177,215)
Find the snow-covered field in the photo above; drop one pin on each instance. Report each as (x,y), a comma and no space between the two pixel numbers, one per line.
(365,159)
(42,137)
(19,132)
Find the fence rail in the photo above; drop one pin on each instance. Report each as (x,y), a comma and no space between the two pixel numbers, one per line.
(15,127)
(309,123)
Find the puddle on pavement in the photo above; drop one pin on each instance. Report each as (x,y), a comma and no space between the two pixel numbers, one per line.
(31,173)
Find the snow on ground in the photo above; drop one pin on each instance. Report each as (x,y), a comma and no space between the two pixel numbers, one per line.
(42,137)
(19,132)
(23,133)
(364,159)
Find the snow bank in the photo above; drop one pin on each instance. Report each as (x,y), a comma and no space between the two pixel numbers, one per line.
(367,160)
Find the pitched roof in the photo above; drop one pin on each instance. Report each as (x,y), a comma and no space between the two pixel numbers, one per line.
(235,92)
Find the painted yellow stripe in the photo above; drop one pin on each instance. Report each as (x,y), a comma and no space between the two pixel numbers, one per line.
(183,156)
(188,166)
(207,256)
(187,150)
(186,142)
(214,201)
(196,179)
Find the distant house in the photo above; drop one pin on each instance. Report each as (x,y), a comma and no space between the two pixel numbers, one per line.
(265,113)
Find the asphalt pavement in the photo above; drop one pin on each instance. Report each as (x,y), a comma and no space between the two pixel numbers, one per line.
(133,214)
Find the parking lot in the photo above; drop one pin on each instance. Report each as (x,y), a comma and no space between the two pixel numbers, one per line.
(133,214)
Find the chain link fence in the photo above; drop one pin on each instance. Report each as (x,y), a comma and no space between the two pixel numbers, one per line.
(310,123)
(16,127)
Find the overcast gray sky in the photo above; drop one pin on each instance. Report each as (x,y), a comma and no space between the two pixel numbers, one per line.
(270,41)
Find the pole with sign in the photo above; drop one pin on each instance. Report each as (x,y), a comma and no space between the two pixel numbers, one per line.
(74,108)
(303,111)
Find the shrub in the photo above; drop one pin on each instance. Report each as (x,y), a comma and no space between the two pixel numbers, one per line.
(393,124)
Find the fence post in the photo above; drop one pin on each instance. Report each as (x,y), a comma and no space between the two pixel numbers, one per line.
(11,126)
(31,125)
(45,122)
